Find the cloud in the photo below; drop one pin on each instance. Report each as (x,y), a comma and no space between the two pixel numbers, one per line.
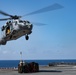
(5,52)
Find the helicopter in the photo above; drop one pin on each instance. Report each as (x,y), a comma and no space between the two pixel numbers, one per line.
(15,28)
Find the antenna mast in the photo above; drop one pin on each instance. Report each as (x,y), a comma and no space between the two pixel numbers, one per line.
(21,56)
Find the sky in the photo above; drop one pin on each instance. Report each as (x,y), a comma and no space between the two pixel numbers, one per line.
(55,40)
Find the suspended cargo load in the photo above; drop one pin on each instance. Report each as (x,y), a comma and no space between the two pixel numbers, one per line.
(28,67)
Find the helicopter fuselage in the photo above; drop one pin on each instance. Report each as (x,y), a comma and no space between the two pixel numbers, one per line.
(15,29)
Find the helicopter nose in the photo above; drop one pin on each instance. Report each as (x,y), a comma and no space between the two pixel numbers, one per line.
(31,26)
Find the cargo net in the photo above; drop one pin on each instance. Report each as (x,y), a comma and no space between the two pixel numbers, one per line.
(28,67)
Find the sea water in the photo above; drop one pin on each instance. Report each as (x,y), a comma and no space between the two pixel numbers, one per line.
(14,63)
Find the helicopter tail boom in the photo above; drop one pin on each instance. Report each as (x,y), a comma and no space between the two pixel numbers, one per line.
(2,42)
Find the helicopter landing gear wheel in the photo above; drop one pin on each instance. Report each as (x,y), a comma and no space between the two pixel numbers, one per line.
(27,37)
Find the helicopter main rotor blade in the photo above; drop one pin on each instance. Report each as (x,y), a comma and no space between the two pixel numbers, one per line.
(46,9)
(4,13)
(5,19)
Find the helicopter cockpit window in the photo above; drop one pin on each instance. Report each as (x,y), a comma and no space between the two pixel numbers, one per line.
(20,21)
(8,23)
(27,22)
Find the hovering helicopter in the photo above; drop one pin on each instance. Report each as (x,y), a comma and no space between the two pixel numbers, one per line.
(15,28)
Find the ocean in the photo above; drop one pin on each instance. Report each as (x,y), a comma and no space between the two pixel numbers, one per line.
(14,63)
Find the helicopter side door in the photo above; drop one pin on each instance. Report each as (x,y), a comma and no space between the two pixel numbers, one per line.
(8,28)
